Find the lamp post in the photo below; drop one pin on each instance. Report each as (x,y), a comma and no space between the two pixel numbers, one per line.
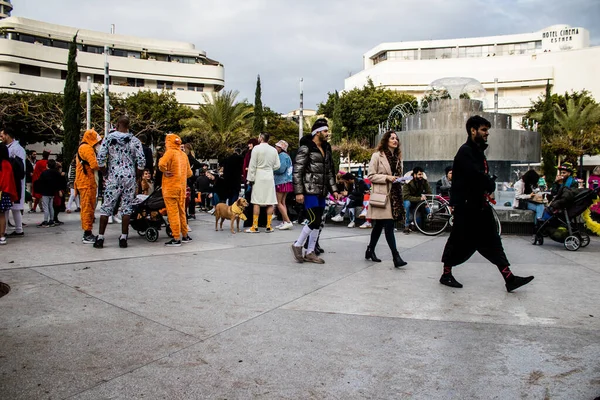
(301,116)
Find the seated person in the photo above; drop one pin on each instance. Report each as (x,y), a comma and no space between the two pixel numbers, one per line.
(356,189)
(564,178)
(525,196)
(413,193)
(442,187)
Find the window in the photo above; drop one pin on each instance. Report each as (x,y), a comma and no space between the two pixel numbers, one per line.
(60,44)
(164,85)
(25,38)
(93,49)
(119,53)
(135,82)
(25,69)
(158,57)
(134,54)
(196,87)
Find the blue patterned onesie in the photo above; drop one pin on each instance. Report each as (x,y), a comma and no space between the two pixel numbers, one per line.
(121,151)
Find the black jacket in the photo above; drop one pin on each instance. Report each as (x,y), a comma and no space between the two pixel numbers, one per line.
(50,183)
(313,172)
(470,176)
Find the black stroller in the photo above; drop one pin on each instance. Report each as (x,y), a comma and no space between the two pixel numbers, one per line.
(565,224)
(146,218)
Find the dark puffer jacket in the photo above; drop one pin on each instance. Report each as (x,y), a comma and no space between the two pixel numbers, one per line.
(313,172)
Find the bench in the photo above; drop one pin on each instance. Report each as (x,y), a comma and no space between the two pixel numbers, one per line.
(515,221)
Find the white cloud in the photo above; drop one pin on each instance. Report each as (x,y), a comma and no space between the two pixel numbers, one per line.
(322,41)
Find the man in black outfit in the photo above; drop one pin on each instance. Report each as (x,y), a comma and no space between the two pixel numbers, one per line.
(474,226)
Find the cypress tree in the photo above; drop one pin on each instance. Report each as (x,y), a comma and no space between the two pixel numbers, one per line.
(71,106)
(259,122)
(337,127)
(546,130)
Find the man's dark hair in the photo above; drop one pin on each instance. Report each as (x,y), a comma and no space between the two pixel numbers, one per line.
(52,164)
(265,137)
(448,169)
(142,138)
(417,169)
(123,120)
(8,130)
(477,122)
(45,155)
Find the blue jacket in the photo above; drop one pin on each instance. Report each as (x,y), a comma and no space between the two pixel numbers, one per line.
(284,173)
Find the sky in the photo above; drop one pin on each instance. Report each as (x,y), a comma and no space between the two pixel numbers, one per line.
(321,41)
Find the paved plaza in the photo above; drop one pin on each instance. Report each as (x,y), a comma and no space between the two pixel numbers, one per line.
(234,317)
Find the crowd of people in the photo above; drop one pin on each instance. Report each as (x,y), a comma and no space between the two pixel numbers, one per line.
(121,170)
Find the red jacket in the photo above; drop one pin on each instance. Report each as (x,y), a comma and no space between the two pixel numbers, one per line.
(7,181)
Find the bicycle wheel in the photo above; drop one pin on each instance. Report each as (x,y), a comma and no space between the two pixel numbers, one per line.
(431,217)
(497,221)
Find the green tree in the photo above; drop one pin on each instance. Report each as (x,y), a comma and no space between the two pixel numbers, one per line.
(546,130)
(219,126)
(337,128)
(71,106)
(362,110)
(259,123)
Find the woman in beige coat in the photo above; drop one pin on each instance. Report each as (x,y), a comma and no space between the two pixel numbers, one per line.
(384,173)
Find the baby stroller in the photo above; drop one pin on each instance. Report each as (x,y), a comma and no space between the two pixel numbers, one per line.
(146,218)
(565,224)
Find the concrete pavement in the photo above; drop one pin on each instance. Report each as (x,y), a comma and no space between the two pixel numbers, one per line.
(234,317)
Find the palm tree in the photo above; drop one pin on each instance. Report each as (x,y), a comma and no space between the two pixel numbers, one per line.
(220,125)
(576,130)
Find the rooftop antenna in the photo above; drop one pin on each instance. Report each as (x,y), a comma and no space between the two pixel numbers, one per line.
(112,29)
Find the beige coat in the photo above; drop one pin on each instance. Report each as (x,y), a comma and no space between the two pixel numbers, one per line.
(263,161)
(379,170)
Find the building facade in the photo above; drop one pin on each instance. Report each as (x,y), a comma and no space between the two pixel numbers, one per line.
(521,63)
(34,54)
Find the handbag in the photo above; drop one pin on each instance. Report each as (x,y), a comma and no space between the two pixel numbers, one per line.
(378,200)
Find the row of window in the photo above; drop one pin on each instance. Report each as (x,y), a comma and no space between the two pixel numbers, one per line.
(32,70)
(461,52)
(86,48)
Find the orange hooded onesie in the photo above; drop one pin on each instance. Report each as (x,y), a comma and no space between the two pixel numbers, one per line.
(85,179)
(176,162)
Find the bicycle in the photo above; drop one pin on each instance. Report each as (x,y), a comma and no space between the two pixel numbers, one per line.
(433,215)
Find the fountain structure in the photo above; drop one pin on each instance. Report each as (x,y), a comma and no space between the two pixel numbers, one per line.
(432,132)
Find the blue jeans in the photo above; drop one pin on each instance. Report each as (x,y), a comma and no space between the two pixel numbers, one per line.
(538,208)
(409,208)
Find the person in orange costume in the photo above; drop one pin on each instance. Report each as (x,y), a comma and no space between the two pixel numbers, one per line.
(176,169)
(85,182)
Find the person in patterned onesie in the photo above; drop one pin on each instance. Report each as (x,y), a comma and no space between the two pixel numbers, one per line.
(119,154)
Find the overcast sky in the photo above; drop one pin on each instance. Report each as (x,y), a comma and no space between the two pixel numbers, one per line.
(320,40)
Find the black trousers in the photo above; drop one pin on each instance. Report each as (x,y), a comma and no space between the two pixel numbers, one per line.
(474,230)
(386,225)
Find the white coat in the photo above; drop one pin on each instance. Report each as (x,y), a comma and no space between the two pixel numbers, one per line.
(263,161)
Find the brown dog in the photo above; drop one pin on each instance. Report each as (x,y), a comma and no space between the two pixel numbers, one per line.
(233,213)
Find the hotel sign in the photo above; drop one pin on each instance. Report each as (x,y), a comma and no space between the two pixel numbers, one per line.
(563,35)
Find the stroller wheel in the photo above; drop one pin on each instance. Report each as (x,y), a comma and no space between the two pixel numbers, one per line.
(585,240)
(141,233)
(151,234)
(572,243)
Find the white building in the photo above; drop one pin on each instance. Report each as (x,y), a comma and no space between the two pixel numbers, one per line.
(522,63)
(34,54)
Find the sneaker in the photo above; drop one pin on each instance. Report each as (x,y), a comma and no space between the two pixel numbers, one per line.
(14,234)
(449,280)
(337,218)
(412,227)
(99,243)
(88,239)
(110,219)
(313,258)
(352,224)
(117,219)
(51,224)
(68,211)
(78,209)
(517,282)
(366,225)
(406,230)
(269,229)
(363,213)
(297,252)
(285,226)
(2,241)
(58,223)
(193,216)
(186,239)
(123,243)
(31,211)
(252,230)
(173,243)
(211,211)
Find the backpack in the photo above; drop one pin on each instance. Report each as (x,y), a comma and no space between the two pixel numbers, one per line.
(18,168)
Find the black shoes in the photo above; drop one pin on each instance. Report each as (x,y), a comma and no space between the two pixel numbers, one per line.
(16,234)
(186,239)
(318,249)
(370,255)
(123,243)
(173,243)
(398,261)
(99,243)
(517,282)
(448,280)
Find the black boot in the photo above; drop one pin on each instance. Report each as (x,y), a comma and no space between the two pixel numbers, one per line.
(398,261)
(448,280)
(517,282)
(318,249)
(370,255)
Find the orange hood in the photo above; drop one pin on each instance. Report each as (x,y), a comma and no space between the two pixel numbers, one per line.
(91,137)
(173,142)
